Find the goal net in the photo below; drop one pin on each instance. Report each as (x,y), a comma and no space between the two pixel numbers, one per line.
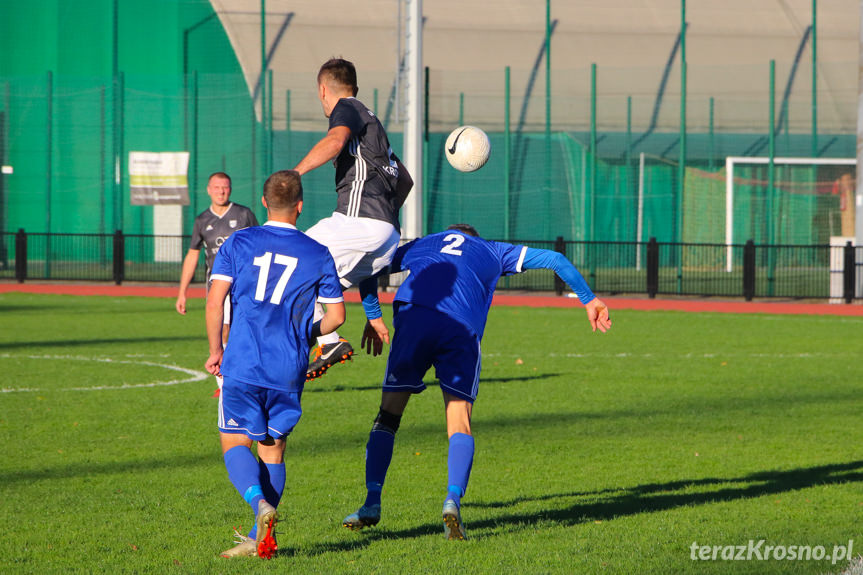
(810,201)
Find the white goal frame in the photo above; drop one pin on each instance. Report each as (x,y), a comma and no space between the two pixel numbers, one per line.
(732,161)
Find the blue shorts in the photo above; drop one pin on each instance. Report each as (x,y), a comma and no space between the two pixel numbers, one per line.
(257,411)
(424,338)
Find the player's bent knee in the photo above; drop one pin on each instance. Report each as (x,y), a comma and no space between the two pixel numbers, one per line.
(386,421)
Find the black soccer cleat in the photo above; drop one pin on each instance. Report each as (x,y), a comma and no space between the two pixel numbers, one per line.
(328,355)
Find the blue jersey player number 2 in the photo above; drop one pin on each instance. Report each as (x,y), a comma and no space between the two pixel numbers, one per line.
(439,316)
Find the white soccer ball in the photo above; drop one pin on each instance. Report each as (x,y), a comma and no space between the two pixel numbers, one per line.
(467,148)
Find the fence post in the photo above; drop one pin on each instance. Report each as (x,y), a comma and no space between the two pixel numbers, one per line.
(848,272)
(119,257)
(652,267)
(21,255)
(559,247)
(749,270)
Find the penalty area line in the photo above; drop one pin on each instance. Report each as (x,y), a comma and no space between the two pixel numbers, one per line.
(194,375)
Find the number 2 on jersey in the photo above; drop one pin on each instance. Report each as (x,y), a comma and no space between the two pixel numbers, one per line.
(452,248)
(264,262)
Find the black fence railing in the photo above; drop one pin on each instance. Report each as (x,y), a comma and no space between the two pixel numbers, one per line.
(116,257)
(748,270)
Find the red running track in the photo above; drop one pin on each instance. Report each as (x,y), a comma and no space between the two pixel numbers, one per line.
(675,304)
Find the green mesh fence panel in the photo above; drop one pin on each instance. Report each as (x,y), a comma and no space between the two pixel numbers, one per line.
(223,135)
(68,134)
(550,193)
(704,207)
(704,218)
(809,203)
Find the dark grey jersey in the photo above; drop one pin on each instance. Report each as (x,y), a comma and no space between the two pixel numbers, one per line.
(367,172)
(210,231)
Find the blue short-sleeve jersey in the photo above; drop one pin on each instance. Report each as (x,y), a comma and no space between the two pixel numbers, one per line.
(276,273)
(456,274)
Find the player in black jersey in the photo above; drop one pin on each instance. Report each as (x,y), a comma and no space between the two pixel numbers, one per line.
(210,230)
(372,184)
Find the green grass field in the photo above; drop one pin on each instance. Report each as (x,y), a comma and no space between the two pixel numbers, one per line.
(596,453)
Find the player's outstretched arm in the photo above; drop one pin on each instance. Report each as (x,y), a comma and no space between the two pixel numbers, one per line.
(325,150)
(215,319)
(597,311)
(535,259)
(375,332)
(190,262)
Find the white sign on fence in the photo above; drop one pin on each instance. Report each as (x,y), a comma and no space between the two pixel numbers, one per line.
(159,178)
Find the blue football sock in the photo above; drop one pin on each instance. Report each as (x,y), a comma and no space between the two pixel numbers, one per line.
(379,454)
(243,472)
(459,462)
(373,495)
(272,477)
(272,481)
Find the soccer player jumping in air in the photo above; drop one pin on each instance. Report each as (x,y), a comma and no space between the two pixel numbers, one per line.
(439,314)
(274,274)
(371,183)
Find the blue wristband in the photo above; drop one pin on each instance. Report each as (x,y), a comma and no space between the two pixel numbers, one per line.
(372,306)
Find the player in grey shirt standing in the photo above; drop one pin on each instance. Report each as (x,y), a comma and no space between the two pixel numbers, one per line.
(372,184)
(210,230)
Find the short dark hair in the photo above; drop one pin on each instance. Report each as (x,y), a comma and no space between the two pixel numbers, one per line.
(465,229)
(283,190)
(219,175)
(339,71)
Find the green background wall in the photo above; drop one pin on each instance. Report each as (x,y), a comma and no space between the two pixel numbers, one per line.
(75,101)
(70,117)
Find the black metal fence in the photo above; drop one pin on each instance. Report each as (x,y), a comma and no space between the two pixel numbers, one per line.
(116,257)
(748,270)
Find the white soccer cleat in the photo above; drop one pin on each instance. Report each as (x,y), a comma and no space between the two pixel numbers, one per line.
(245,547)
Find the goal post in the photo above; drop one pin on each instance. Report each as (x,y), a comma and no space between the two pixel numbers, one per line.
(413,118)
(808,177)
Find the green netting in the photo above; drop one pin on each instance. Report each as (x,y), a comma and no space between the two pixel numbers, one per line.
(69,120)
(704,207)
(805,207)
(64,179)
(68,134)
(542,196)
(550,193)
(64,168)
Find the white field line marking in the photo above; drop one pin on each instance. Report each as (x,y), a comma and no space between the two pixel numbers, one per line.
(194,374)
(720,355)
